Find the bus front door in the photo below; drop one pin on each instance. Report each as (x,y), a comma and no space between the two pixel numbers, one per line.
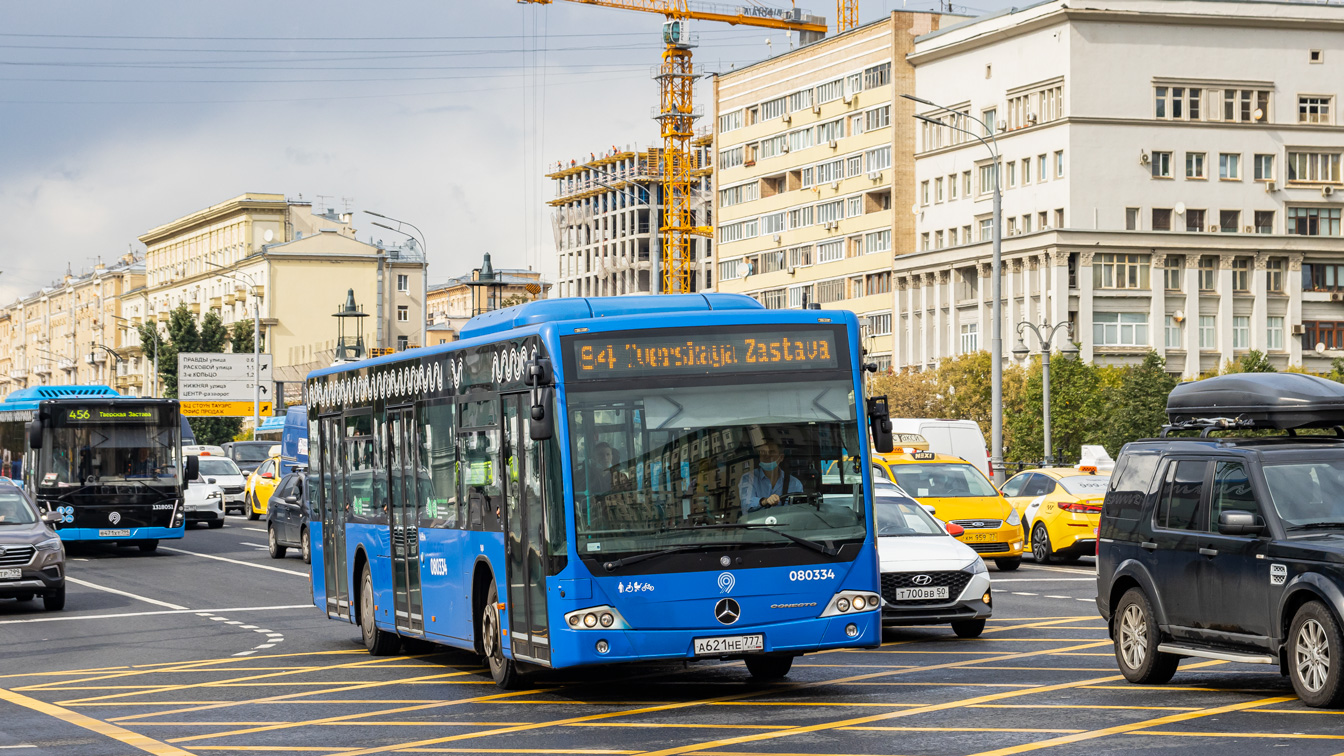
(401,465)
(524,541)
(333,519)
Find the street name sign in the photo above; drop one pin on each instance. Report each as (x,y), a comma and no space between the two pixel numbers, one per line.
(223,385)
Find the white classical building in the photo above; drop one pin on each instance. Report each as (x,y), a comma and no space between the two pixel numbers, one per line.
(1169,169)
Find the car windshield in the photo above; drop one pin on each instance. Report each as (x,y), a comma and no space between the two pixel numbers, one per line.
(902,516)
(1307,491)
(15,510)
(218,466)
(1086,486)
(687,466)
(942,479)
(249,453)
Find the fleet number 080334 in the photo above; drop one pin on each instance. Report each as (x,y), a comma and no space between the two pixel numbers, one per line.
(812,575)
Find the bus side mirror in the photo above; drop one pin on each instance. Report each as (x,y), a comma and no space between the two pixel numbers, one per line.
(35,433)
(539,376)
(192,467)
(879,421)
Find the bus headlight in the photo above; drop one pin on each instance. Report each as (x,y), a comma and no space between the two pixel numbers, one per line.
(604,617)
(849,602)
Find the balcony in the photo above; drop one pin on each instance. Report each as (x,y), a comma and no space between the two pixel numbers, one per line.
(17,374)
(42,369)
(66,364)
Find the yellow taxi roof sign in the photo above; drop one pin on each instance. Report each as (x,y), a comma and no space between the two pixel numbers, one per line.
(909,442)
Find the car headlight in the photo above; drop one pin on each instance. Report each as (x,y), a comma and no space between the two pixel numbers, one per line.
(51,544)
(1014,518)
(976,567)
(214,495)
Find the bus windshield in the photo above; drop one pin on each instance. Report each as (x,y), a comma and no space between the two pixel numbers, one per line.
(715,466)
(78,452)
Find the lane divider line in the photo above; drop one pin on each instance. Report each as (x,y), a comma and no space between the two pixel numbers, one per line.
(75,617)
(105,589)
(135,740)
(235,561)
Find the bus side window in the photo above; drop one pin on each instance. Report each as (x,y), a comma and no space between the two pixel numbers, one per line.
(480,471)
(438,466)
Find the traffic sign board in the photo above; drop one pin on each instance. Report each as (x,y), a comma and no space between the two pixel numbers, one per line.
(222,409)
(215,377)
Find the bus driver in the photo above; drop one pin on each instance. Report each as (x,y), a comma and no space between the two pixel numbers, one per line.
(766,485)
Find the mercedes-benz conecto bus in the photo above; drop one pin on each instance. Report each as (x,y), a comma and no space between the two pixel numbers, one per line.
(587,481)
(110,466)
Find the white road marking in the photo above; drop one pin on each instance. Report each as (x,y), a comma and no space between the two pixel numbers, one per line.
(1044,580)
(1063,597)
(254,543)
(1087,600)
(105,589)
(3,748)
(256,530)
(1020,593)
(235,561)
(248,627)
(151,614)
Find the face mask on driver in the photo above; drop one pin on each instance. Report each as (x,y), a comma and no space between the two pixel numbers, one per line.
(769,466)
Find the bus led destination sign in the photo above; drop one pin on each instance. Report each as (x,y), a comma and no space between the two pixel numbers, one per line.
(699,353)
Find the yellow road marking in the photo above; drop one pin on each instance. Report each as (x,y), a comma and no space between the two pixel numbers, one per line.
(1126,728)
(1075,707)
(953,729)
(135,740)
(1294,735)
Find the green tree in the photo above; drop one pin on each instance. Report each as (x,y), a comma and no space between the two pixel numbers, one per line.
(909,393)
(1336,370)
(1253,361)
(1137,407)
(240,337)
(1077,405)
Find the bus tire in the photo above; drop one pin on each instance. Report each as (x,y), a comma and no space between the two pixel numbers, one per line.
(769,667)
(277,550)
(378,642)
(305,547)
(55,600)
(149,547)
(505,671)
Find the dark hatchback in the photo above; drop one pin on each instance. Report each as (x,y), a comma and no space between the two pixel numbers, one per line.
(32,558)
(288,513)
(1231,548)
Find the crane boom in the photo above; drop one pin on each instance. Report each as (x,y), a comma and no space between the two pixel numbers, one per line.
(676,113)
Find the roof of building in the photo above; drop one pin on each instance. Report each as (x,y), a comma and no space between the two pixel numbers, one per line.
(506,276)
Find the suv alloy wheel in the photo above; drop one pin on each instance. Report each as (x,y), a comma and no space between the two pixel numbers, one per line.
(1136,639)
(1315,651)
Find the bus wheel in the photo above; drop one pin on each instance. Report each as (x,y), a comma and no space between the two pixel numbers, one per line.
(769,667)
(378,642)
(150,546)
(305,547)
(277,551)
(505,671)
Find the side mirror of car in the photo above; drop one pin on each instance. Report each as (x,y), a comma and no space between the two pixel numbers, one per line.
(291,500)
(954,529)
(1237,522)
(930,509)
(267,476)
(211,481)
(51,518)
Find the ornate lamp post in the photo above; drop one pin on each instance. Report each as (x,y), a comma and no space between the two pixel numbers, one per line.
(1045,335)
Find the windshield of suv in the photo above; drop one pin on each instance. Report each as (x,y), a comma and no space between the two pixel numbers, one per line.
(218,466)
(902,516)
(15,510)
(941,479)
(1307,492)
(248,453)
(1086,486)
(686,466)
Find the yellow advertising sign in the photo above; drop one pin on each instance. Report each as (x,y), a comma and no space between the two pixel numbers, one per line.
(223,409)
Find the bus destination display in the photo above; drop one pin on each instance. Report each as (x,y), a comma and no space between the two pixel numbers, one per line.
(136,415)
(679,354)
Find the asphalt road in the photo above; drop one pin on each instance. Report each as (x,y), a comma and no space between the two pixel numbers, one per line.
(211,647)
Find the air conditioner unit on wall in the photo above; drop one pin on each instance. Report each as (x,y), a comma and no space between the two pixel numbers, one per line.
(1326,191)
(816,109)
(787,118)
(1269,186)
(1299,329)
(833,144)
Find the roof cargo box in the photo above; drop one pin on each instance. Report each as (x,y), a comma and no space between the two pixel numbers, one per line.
(1262,400)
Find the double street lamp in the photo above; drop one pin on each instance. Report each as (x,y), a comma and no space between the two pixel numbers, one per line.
(92,357)
(424,272)
(1045,336)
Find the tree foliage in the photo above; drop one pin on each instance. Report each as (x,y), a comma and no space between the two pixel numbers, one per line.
(185,335)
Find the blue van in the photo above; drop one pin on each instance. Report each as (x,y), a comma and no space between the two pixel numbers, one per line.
(294,439)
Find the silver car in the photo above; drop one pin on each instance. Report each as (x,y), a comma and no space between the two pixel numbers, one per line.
(224,472)
(32,559)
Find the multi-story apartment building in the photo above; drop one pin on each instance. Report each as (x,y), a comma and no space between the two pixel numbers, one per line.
(295,264)
(608,216)
(1169,172)
(814,173)
(69,333)
(486,288)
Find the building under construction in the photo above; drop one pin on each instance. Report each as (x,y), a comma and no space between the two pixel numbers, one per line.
(609,220)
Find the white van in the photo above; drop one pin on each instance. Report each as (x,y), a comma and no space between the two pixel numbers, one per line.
(960,438)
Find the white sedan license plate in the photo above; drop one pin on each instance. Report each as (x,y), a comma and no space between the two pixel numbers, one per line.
(735,644)
(11,574)
(113,533)
(921,594)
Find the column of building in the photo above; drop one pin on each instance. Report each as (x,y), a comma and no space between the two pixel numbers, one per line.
(1224,294)
(1192,314)
(1084,304)
(1157,304)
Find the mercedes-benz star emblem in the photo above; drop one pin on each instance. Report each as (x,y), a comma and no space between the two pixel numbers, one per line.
(921,580)
(114,518)
(727,611)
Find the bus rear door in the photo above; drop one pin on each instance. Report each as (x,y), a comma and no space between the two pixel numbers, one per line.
(333,519)
(402,455)
(524,542)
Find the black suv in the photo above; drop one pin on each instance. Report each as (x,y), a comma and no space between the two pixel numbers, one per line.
(1228,547)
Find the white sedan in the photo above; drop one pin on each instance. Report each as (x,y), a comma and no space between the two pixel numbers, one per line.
(928,577)
(204,502)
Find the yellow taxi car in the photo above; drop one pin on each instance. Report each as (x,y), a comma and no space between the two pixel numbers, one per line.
(1060,508)
(261,484)
(960,494)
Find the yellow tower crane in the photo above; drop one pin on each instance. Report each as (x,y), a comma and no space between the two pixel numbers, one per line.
(676,113)
(846,15)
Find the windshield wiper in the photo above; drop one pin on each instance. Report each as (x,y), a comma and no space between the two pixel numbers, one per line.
(609,566)
(1324,525)
(824,549)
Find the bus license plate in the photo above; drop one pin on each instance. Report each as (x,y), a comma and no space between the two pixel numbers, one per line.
(921,594)
(9,574)
(114,533)
(735,644)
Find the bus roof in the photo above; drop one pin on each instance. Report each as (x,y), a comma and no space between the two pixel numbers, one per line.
(585,308)
(28,398)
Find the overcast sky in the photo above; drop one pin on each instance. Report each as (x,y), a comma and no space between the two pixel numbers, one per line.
(120,116)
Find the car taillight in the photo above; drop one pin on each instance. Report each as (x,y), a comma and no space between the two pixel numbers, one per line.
(1079,507)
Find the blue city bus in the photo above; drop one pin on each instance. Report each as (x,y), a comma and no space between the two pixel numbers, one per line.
(110,465)
(588,481)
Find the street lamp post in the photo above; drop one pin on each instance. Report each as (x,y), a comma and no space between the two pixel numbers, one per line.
(93,354)
(424,273)
(256,344)
(996,271)
(1045,335)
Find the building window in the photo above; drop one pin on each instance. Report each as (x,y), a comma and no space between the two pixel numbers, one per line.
(880,283)
(1241,332)
(1012,174)
(1322,277)
(877,118)
(965,183)
(403,283)
(1026,171)
(880,324)
(986,229)
(1059,217)
(1161,219)
(877,76)
(1264,221)
(1313,109)
(990,117)
(1264,167)
(1161,165)
(1041,167)
(952,187)
(1119,329)
(730,121)
(1172,270)
(1208,273)
(968,284)
(773,299)
(1194,220)
(1120,271)
(1042,220)
(1208,332)
(1326,332)
(1059,164)
(1245,105)
(831,251)
(987,178)
(878,241)
(1229,221)
(970,338)
(403,343)
(1026,223)
(1241,275)
(801,296)
(1313,221)
(403,313)
(1274,275)
(938,189)
(1012,226)
(1274,334)
(1194,165)
(1172,333)
(1177,103)
(831,291)
(1229,166)
(1318,167)
(924,242)
(728,269)
(830,91)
